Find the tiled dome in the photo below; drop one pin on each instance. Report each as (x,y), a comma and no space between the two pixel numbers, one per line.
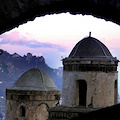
(34,79)
(90,48)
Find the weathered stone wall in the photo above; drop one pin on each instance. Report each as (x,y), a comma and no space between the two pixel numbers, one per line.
(76,113)
(16,12)
(36,104)
(100,88)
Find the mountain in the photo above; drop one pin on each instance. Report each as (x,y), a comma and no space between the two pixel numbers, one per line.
(12,66)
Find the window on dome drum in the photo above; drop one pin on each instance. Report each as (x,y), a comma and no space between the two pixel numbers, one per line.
(22,111)
(82,92)
(11,97)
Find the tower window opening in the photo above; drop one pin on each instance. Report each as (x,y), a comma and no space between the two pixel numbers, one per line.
(115,92)
(82,92)
(22,111)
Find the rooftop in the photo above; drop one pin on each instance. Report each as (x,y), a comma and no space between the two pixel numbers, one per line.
(34,79)
(90,48)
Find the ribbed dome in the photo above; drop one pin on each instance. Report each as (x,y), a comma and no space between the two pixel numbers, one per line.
(34,79)
(90,48)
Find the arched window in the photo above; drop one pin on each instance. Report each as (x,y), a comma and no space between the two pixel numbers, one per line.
(22,111)
(11,97)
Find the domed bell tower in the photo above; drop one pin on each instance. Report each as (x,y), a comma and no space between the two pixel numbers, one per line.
(31,96)
(90,75)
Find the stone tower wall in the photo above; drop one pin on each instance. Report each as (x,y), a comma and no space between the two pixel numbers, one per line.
(34,104)
(101,90)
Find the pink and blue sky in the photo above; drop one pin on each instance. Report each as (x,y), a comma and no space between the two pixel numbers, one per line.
(54,36)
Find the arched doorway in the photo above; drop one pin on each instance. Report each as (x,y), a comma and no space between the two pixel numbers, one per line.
(82,92)
(41,112)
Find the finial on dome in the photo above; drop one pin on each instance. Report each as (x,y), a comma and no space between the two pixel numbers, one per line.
(89,34)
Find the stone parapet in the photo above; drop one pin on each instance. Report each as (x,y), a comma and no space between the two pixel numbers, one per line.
(89,65)
(67,113)
(32,95)
(77,113)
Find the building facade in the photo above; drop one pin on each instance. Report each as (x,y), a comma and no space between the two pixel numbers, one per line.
(90,75)
(31,96)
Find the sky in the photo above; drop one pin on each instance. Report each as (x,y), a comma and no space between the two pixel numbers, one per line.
(54,36)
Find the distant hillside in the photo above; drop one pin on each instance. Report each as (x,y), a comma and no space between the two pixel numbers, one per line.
(13,66)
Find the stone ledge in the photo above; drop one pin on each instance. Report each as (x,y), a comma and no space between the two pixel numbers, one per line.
(77,113)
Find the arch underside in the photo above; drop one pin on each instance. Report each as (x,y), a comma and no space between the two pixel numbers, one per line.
(16,12)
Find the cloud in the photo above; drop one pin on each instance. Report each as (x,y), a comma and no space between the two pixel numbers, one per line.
(113,45)
(23,45)
(52,56)
(15,38)
(56,35)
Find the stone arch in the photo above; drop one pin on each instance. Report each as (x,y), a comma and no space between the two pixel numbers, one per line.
(41,112)
(16,12)
(21,109)
(9,107)
(44,104)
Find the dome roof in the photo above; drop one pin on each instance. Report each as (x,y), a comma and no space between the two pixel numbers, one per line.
(90,48)
(34,79)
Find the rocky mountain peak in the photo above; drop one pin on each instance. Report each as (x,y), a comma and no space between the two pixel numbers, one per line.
(29,56)
(16,55)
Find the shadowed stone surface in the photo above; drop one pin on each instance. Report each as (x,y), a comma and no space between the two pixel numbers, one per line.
(16,12)
(68,113)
